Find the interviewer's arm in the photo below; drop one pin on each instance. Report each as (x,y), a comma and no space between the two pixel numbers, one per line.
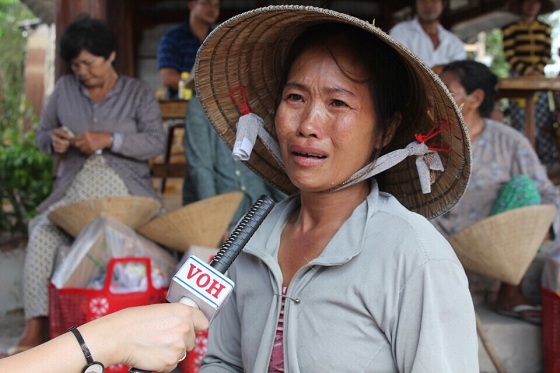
(151,337)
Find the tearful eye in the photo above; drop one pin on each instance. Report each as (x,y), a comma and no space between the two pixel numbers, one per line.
(338,103)
(294,97)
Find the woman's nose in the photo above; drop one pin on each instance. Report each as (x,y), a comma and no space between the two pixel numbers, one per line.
(311,121)
(80,69)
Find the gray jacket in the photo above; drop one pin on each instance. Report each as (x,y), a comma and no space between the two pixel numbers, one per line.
(387,294)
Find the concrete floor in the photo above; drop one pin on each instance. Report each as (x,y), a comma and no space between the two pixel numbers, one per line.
(11,304)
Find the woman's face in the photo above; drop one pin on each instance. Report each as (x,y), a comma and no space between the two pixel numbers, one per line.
(93,71)
(429,10)
(468,105)
(325,121)
(451,80)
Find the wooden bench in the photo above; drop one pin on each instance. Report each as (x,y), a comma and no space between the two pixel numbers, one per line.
(173,116)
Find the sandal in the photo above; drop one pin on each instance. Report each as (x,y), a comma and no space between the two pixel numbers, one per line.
(524,312)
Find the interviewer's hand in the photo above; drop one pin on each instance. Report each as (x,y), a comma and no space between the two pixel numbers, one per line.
(151,337)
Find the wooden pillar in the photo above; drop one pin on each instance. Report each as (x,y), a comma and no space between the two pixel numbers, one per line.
(386,21)
(121,18)
(36,67)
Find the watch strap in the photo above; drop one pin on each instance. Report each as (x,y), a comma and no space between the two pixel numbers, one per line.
(85,350)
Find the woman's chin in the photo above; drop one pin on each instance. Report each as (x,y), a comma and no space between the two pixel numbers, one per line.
(314,186)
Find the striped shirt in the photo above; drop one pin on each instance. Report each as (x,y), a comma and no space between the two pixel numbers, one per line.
(177,50)
(277,358)
(527,46)
(130,112)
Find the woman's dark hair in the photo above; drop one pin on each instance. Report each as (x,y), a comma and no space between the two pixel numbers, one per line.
(515,6)
(89,34)
(389,81)
(475,75)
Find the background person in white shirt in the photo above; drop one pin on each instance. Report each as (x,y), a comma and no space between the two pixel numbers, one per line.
(427,38)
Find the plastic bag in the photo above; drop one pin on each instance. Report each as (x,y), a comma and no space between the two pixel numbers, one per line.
(99,241)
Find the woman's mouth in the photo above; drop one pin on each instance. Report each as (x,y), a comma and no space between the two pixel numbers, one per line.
(309,155)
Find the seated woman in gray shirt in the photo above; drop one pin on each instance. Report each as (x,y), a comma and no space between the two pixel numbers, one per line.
(103,127)
(506,174)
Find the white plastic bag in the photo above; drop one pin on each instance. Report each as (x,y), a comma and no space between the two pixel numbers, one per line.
(99,241)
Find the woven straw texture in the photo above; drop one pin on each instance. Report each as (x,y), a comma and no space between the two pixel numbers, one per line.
(202,223)
(502,246)
(132,211)
(249,50)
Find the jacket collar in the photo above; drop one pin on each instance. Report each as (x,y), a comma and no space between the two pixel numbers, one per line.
(346,243)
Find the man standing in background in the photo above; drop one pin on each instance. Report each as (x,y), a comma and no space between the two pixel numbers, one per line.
(427,38)
(178,46)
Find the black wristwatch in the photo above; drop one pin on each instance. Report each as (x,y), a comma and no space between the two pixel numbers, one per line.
(92,366)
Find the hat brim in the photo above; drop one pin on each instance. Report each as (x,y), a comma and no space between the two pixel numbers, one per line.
(502,246)
(201,223)
(248,50)
(132,211)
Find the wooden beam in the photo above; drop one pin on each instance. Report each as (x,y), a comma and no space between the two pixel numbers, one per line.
(470,11)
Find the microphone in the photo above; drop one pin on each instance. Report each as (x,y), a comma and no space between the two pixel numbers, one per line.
(206,287)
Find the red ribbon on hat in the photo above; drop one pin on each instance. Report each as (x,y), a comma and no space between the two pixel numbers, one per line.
(439,126)
(244,106)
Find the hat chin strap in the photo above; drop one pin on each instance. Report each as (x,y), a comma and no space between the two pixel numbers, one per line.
(426,160)
(251,126)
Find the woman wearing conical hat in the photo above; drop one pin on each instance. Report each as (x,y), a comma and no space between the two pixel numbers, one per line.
(346,274)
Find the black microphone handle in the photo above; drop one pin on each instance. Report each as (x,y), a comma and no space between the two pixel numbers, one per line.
(242,233)
(236,241)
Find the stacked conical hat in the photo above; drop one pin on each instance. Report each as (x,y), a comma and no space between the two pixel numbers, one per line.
(502,246)
(132,211)
(202,223)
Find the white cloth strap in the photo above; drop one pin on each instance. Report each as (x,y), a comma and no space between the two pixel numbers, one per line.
(251,126)
(426,160)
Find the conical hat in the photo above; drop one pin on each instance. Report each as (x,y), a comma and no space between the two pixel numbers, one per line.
(502,246)
(201,223)
(250,50)
(132,211)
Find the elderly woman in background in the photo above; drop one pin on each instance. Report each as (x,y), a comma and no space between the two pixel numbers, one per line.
(506,171)
(103,127)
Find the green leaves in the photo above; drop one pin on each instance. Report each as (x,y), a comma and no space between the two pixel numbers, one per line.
(25,172)
(25,180)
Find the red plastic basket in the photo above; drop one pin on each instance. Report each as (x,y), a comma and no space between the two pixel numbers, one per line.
(76,306)
(194,358)
(551,330)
